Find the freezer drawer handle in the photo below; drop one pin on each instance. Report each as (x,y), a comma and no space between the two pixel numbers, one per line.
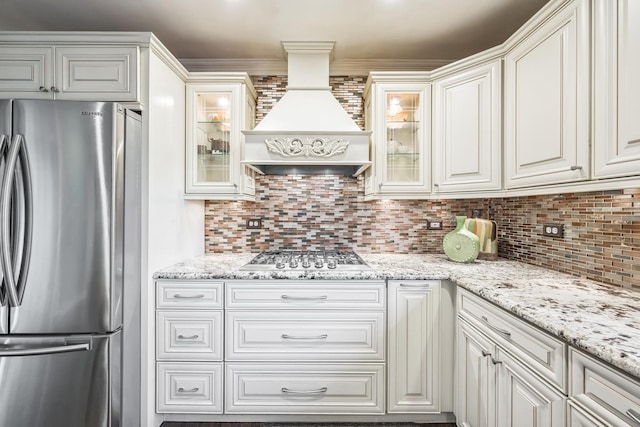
(193,390)
(498,330)
(191,337)
(318,391)
(46,350)
(198,296)
(297,337)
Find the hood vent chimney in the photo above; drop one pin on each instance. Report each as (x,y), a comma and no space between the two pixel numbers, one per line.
(307,131)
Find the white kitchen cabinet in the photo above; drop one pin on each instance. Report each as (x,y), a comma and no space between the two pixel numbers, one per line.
(189,388)
(499,383)
(414,347)
(304,388)
(602,392)
(476,379)
(467,129)
(616,88)
(398,112)
(219,107)
(301,347)
(328,335)
(83,72)
(547,87)
(189,346)
(523,399)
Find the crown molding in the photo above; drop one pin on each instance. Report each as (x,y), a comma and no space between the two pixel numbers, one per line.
(345,67)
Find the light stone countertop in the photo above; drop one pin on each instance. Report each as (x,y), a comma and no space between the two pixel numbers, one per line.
(599,319)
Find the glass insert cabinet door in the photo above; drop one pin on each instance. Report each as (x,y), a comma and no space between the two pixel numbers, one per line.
(213,137)
(401,135)
(404,143)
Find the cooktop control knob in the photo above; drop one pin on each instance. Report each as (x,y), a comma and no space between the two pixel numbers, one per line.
(319,263)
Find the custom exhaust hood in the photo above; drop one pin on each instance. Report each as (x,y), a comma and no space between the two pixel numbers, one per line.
(307,131)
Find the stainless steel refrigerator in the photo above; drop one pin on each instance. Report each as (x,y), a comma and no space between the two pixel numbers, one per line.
(70,263)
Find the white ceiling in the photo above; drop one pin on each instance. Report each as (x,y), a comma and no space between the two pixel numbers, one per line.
(253,29)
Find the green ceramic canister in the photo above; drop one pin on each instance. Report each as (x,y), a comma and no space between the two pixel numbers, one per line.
(487,232)
(461,245)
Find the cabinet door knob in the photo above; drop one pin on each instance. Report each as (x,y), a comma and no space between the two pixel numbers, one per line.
(43,89)
(576,168)
(54,89)
(485,353)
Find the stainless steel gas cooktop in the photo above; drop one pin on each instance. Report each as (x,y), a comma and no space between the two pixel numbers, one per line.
(291,260)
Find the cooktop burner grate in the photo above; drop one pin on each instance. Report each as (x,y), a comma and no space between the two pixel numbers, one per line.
(307,260)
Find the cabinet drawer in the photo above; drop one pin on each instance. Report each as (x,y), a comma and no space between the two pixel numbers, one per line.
(608,393)
(351,294)
(305,335)
(540,351)
(189,388)
(304,388)
(189,335)
(189,294)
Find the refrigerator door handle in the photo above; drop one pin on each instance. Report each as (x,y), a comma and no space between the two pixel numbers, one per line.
(67,348)
(15,286)
(28,219)
(3,292)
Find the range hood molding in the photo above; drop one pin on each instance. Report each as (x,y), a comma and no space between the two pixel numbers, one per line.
(307,129)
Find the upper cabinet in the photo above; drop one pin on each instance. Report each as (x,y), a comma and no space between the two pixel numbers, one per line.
(83,72)
(547,114)
(467,129)
(616,88)
(397,111)
(219,107)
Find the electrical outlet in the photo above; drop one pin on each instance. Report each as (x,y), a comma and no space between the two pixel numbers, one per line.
(553,230)
(254,223)
(434,225)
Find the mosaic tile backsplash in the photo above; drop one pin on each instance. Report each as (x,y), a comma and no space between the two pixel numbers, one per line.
(602,229)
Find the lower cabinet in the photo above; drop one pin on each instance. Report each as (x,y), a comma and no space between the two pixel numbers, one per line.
(414,346)
(600,395)
(189,340)
(304,388)
(300,347)
(497,385)
(189,388)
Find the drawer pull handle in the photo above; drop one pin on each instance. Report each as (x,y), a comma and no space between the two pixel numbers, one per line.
(297,337)
(498,330)
(192,337)
(633,415)
(318,391)
(321,297)
(193,390)
(412,285)
(198,296)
